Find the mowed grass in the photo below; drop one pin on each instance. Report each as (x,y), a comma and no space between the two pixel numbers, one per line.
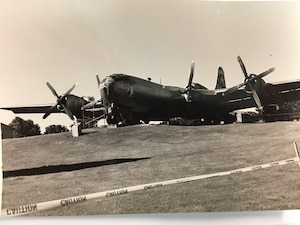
(161,153)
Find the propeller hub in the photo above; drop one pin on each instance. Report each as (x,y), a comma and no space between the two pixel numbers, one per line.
(253,82)
(60,108)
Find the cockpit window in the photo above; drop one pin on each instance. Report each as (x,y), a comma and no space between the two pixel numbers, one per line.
(117,77)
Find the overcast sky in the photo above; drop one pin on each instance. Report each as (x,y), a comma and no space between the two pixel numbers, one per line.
(70,41)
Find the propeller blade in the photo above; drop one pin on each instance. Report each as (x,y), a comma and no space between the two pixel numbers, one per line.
(188,89)
(257,100)
(90,104)
(242,66)
(261,75)
(98,81)
(191,75)
(71,89)
(52,90)
(255,97)
(97,110)
(49,111)
(234,88)
(69,113)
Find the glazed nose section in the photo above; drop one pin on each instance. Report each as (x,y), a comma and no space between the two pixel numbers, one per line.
(106,86)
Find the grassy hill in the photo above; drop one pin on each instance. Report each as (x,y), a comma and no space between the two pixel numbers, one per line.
(57,166)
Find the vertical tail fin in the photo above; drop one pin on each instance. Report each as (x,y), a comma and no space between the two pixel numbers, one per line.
(221,79)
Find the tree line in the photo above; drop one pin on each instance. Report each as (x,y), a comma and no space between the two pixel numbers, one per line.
(26,128)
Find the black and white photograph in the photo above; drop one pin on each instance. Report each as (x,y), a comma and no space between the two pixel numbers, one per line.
(137,107)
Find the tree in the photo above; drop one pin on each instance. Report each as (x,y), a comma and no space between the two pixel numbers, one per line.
(25,128)
(56,129)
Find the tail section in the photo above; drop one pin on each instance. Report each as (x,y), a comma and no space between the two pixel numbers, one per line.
(221,79)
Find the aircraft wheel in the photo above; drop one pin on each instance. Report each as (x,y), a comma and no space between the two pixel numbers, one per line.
(111,119)
(146,121)
(131,119)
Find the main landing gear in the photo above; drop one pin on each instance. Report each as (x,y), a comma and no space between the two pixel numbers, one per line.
(121,118)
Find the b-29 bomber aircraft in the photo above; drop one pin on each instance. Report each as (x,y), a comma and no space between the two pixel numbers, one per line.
(129,100)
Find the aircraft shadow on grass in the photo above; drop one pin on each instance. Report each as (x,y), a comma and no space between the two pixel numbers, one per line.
(66,168)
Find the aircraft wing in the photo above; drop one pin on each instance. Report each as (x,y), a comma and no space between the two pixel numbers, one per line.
(286,87)
(31,109)
(271,93)
(282,92)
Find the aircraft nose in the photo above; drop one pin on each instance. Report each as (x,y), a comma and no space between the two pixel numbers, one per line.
(106,86)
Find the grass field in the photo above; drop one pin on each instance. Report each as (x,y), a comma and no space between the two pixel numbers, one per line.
(105,159)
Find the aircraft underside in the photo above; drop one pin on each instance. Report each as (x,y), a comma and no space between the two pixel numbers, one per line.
(187,113)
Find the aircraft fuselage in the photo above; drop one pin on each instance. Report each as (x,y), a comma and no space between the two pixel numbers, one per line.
(144,100)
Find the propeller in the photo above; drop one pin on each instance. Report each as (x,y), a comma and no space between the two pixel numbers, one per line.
(249,80)
(61,101)
(191,75)
(189,87)
(98,80)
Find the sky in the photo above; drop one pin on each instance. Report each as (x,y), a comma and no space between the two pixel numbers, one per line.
(69,41)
